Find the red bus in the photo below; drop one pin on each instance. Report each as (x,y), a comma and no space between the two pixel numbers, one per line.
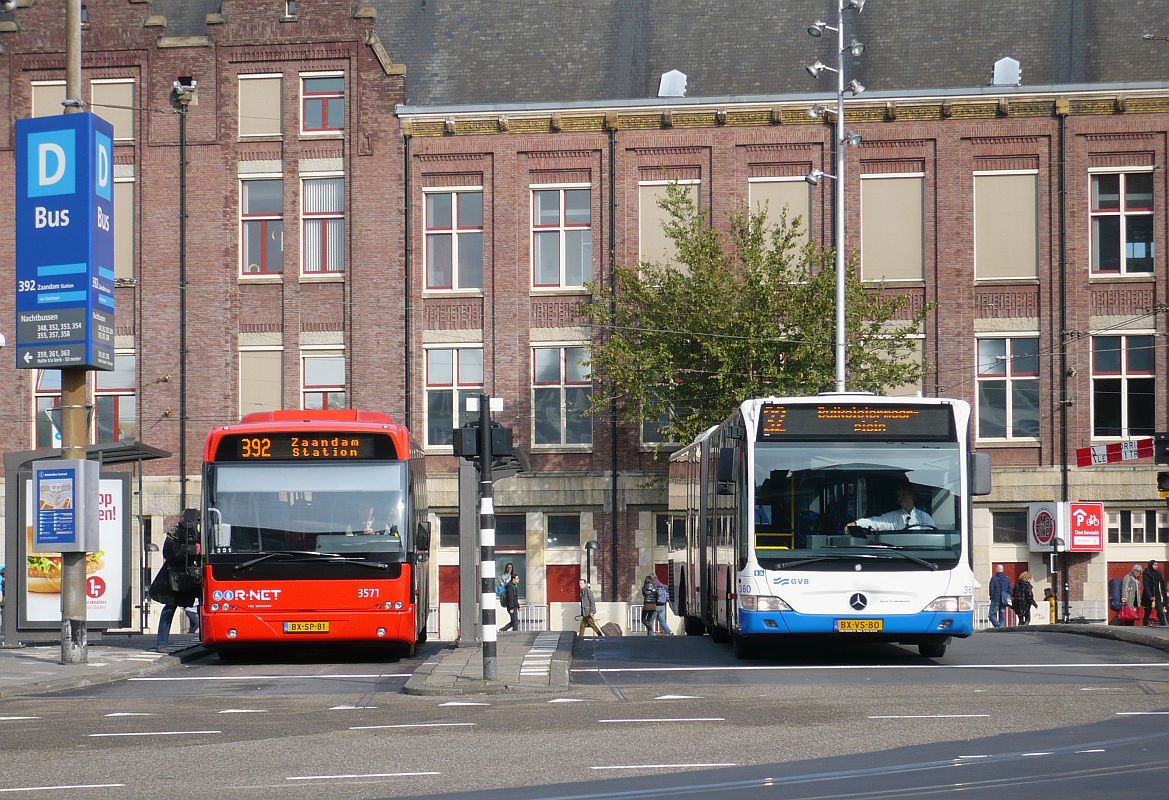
(314,531)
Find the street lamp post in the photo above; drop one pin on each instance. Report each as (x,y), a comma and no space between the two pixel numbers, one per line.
(842,138)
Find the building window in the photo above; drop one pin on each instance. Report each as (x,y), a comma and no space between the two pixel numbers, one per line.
(454,240)
(1008,388)
(261,382)
(260,106)
(770,196)
(323,104)
(1137,527)
(1008,527)
(48,398)
(1006,225)
(563,530)
(452,375)
(290,8)
(117,404)
(561,389)
(669,532)
(124,229)
(113,101)
(262,226)
(448,531)
(324,225)
(47,97)
(511,546)
(653,245)
(562,238)
(1122,223)
(891,228)
(324,382)
(1122,386)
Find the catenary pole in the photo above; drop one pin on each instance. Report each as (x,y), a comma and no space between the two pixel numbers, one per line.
(840,188)
(486,541)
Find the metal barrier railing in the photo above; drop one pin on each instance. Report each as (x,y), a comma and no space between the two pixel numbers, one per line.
(531,618)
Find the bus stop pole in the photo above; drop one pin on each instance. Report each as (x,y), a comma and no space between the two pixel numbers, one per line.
(486,540)
(74,397)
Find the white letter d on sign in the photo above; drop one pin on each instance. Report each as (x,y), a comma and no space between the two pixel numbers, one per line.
(44,151)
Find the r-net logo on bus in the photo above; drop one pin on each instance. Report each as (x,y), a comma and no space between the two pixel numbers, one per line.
(264,595)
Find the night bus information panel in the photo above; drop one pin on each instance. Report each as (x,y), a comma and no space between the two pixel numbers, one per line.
(305,446)
(855,421)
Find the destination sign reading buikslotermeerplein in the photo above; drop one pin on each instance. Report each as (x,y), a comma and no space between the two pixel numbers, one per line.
(842,421)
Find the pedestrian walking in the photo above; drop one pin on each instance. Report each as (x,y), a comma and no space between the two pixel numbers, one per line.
(588,607)
(1049,598)
(1000,596)
(663,601)
(649,603)
(1023,599)
(176,585)
(1153,593)
(511,601)
(1130,597)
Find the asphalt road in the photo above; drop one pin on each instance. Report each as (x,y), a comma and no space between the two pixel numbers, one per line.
(651,717)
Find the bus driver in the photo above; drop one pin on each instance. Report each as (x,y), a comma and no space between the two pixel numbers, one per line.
(906,515)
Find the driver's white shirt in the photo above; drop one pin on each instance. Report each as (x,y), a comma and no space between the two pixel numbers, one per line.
(897,519)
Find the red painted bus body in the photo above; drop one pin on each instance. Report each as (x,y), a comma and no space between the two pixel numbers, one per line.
(314,531)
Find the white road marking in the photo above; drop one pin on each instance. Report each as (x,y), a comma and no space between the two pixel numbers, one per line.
(1025,755)
(925,716)
(244,711)
(461,703)
(368,775)
(566,700)
(674,719)
(129,714)
(970,757)
(352,708)
(1101,688)
(414,725)
(8,719)
(277,677)
(155,733)
(665,766)
(677,697)
(1096,750)
(1142,713)
(823,667)
(66,786)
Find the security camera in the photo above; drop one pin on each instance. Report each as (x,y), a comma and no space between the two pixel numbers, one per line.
(8,5)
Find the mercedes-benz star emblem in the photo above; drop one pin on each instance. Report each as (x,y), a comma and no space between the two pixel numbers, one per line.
(858,601)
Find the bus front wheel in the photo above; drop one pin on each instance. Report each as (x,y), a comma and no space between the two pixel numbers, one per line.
(694,626)
(935,649)
(744,646)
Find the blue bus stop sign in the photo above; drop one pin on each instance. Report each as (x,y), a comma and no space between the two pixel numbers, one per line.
(65,242)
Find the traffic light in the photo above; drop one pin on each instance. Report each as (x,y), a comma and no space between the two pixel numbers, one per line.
(1163,482)
(466,440)
(1161,448)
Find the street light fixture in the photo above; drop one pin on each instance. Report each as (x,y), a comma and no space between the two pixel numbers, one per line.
(854,48)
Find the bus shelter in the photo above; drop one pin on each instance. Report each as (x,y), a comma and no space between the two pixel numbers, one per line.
(32,598)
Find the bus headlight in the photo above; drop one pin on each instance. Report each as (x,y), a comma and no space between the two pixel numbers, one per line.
(952,604)
(751,602)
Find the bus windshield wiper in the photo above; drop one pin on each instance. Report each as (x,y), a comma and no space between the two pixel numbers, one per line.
(308,555)
(884,552)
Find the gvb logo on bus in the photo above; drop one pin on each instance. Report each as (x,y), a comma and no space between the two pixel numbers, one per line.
(64,242)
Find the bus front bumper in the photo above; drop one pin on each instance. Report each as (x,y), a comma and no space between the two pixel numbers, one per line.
(889,626)
(226,628)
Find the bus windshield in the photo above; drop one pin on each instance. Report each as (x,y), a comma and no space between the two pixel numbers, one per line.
(822,504)
(331,509)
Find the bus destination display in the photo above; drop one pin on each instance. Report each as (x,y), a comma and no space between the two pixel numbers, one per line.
(827,421)
(286,446)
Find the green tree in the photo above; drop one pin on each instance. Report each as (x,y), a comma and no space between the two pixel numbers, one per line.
(747,312)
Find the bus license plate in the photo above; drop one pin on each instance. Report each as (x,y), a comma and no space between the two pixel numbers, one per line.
(860,625)
(306,627)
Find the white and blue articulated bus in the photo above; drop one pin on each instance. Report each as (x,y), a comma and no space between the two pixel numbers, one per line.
(838,515)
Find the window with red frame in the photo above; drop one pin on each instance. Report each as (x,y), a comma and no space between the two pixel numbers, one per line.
(1123,398)
(562,238)
(561,388)
(324,225)
(324,382)
(117,405)
(262,226)
(452,374)
(323,104)
(1008,388)
(454,240)
(1122,223)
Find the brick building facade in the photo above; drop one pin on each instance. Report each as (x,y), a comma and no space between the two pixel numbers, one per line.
(346,248)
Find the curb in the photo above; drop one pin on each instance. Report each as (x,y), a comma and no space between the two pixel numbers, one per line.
(71,682)
(421,683)
(1115,632)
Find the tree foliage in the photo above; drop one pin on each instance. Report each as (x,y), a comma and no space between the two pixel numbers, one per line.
(746,312)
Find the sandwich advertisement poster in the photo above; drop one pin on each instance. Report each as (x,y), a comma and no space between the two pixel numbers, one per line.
(106,566)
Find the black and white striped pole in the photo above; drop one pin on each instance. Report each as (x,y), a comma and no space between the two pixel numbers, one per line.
(486,541)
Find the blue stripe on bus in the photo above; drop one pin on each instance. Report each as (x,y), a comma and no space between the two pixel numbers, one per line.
(755,622)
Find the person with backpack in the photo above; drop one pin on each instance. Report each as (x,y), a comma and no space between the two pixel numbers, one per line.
(649,603)
(1023,599)
(511,601)
(1000,597)
(502,581)
(663,601)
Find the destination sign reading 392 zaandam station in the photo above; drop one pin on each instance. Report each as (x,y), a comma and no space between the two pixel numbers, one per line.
(65,242)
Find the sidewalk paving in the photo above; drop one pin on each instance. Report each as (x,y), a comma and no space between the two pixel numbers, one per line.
(526,662)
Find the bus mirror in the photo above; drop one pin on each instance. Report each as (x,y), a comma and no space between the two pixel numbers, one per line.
(220,533)
(726,464)
(981,474)
(422,538)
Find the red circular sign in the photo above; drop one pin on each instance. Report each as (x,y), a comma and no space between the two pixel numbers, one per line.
(95,587)
(1043,528)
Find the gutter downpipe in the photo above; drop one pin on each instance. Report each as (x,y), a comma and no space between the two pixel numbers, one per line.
(407,237)
(613,401)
